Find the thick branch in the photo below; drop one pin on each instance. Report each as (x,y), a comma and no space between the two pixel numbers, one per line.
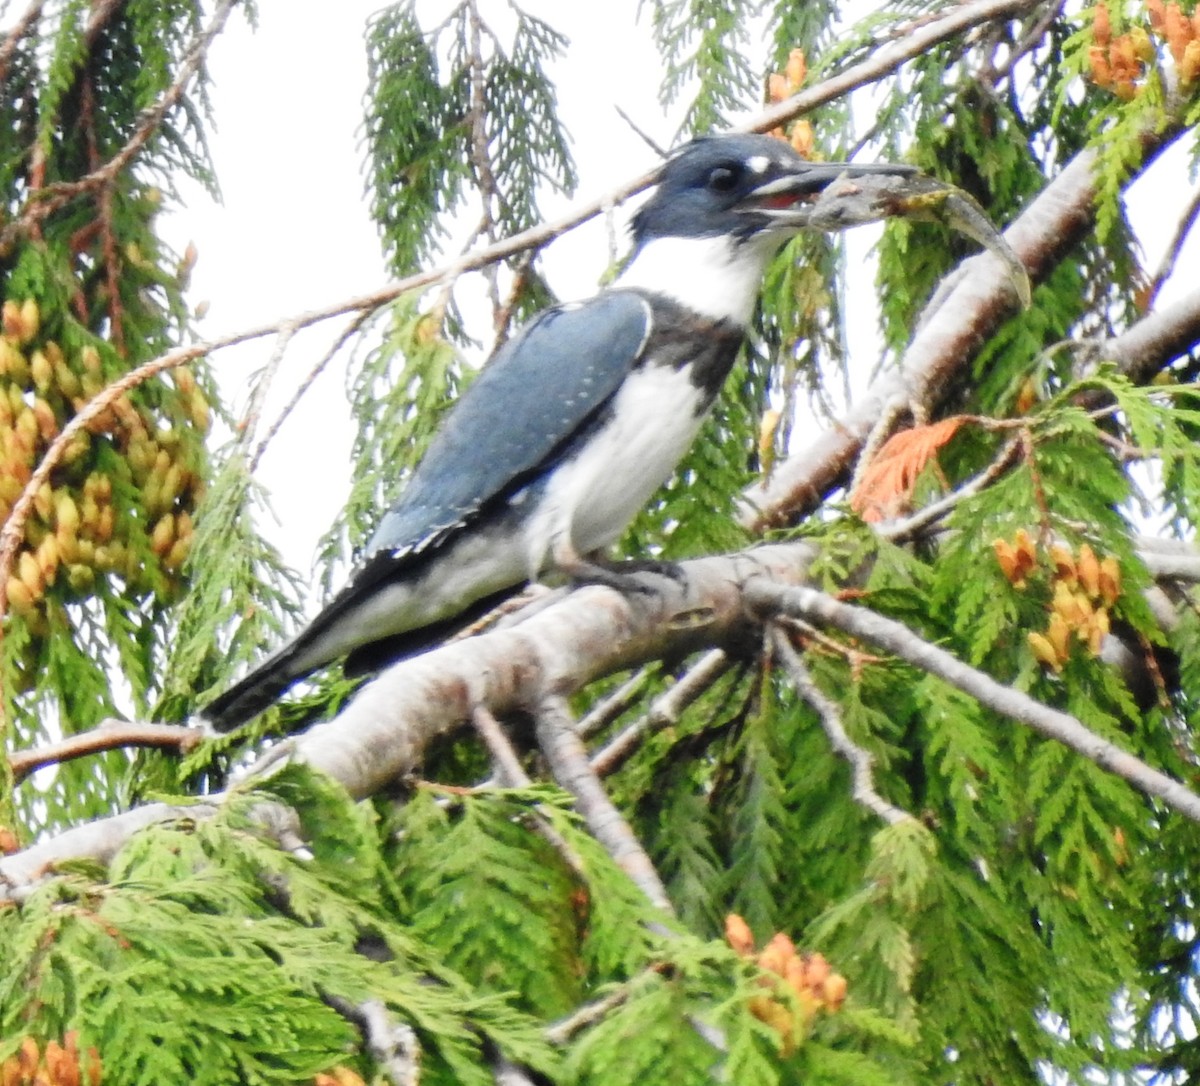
(382,734)
(807,603)
(1157,339)
(100,841)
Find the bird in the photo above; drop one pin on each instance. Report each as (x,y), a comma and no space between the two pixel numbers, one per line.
(573,424)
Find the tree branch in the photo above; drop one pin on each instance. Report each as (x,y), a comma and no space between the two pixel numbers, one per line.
(19,29)
(1167,265)
(98,841)
(568,761)
(589,632)
(1158,338)
(770,600)
(108,735)
(860,760)
(663,713)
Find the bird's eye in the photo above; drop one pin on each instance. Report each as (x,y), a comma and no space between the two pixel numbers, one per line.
(722,179)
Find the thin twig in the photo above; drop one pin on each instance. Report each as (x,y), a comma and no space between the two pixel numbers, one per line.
(507,766)
(1167,265)
(665,711)
(861,762)
(900,531)
(565,1028)
(108,735)
(258,394)
(769,600)
(351,329)
(641,133)
(567,758)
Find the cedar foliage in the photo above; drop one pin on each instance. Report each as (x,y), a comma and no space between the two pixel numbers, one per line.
(1036,917)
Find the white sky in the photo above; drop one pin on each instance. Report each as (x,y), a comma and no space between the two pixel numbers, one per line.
(294,233)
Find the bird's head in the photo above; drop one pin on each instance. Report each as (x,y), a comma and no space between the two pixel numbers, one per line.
(721,208)
(723,205)
(745,187)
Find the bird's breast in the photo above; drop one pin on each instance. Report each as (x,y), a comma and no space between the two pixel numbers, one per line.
(598,488)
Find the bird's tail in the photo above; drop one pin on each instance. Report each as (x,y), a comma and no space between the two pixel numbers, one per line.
(250,695)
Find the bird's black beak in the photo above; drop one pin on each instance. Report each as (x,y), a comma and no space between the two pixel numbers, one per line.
(835,196)
(822,193)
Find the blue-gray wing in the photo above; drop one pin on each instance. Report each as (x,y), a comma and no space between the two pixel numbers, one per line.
(536,393)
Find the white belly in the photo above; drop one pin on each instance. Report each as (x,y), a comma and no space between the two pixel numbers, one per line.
(592,498)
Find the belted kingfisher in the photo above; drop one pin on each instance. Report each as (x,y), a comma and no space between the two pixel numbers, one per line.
(576,420)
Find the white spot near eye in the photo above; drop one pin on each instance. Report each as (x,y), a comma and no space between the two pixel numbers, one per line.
(758,164)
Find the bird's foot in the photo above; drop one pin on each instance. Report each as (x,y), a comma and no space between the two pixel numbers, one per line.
(622,576)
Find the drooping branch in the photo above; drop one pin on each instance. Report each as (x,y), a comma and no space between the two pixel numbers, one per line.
(860,760)
(807,603)
(568,761)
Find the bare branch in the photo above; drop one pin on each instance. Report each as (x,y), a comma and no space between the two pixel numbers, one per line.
(803,602)
(108,735)
(592,631)
(608,708)
(568,761)
(1156,340)
(665,711)
(1167,265)
(900,530)
(506,764)
(909,42)
(100,841)
(258,393)
(565,1028)
(352,328)
(861,762)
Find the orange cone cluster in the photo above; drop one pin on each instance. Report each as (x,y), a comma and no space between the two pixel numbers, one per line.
(782,85)
(57,1065)
(1084,588)
(815,985)
(1118,63)
(339,1076)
